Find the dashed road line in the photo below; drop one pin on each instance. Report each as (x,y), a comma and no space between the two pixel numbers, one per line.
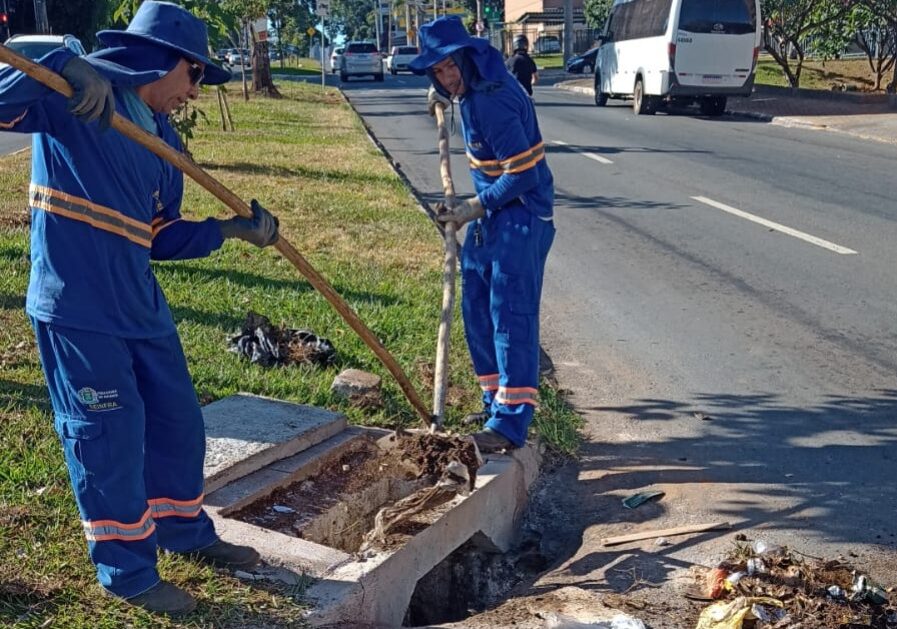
(594,156)
(819,242)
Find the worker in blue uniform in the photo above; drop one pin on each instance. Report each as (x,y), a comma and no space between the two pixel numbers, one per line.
(507,242)
(102,207)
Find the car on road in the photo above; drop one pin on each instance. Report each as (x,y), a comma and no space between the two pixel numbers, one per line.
(36,46)
(361,59)
(233,57)
(547,45)
(399,58)
(678,52)
(335,57)
(584,63)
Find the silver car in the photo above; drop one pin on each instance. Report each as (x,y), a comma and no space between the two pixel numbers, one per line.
(361,59)
(36,46)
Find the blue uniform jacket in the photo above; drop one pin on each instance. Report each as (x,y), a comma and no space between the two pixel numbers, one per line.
(102,207)
(504,146)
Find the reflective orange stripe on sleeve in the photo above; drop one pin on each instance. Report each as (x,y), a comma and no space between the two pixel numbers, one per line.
(93,214)
(107,530)
(514,164)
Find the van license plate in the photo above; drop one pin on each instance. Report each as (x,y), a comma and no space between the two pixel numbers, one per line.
(713,78)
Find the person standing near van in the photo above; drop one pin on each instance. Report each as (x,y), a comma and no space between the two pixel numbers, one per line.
(504,252)
(521,65)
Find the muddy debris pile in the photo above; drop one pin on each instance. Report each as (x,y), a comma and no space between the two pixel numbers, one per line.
(268,345)
(375,496)
(762,586)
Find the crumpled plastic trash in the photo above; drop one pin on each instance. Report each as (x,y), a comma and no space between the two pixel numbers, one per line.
(620,621)
(732,614)
(266,345)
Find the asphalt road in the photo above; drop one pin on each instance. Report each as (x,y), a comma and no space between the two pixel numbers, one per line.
(720,301)
(12,142)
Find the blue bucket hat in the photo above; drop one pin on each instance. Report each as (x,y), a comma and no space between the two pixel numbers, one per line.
(439,39)
(169,26)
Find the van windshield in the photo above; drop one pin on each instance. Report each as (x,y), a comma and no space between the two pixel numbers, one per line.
(724,17)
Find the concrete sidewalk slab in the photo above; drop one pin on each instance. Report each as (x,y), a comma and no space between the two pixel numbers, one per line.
(246,432)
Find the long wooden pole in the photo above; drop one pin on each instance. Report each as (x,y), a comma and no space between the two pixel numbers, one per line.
(443,343)
(189,167)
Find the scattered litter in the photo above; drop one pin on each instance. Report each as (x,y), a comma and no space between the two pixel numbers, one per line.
(755,565)
(266,345)
(283,509)
(740,537)
(620,621)
(40,490)
(641,498)
(732,614)
(866,590)
(661,541)
(762,547)
(346,468)
(771,587)
(702,416)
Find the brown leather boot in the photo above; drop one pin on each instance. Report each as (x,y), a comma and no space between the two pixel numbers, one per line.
(222,554)
(164,598)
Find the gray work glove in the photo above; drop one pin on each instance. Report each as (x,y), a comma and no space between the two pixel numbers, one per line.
(93,98)
(260,230)
(461,212)
(434,98)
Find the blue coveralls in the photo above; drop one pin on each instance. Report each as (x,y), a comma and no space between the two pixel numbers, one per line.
(504,253)
(125,409)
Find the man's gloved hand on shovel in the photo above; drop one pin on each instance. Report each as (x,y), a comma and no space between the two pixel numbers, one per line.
(434,98)
(93,98)
(260,230)
(461,212)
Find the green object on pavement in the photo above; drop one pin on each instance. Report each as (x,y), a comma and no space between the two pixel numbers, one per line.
(640,498)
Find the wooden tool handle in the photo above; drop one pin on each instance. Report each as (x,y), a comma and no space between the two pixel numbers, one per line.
(190,168)
(443,343)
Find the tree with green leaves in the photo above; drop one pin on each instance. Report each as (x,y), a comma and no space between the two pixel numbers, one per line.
(883,14)
(81,18)
(596,12)
(789,22)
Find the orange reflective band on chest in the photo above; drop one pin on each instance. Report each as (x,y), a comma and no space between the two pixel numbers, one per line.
(93,214)
(514,164)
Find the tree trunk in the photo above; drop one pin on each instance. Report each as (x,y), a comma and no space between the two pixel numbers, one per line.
(262,83)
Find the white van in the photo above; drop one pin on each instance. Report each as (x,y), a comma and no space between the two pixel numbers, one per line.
(680,51)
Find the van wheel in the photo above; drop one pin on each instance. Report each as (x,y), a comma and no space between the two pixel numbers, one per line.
(713,105)
(642,104)
(600,97)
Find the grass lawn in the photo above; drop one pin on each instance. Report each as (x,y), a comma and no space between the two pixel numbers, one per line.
(545,62)
(819,75)
(307,159)
(297,66)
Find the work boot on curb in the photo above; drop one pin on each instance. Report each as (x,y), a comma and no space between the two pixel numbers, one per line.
(475,418)
(222,554)
(488,440)
(164,598)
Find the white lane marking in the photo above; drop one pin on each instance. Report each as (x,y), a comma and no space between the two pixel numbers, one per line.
(819,242)
(598,158)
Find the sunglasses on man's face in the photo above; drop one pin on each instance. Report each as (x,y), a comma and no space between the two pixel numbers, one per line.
(197,73)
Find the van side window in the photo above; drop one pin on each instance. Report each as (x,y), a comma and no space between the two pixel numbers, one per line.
(641,18)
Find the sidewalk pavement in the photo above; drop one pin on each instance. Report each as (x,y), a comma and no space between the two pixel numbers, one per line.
(868,121)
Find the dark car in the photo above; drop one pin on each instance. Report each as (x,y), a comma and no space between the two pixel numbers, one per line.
(584,62)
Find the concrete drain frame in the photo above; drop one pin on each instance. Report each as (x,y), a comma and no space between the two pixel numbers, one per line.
(245,466)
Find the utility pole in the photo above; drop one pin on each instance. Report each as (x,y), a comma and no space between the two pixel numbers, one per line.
(568,30)
(377,22)
(479,26)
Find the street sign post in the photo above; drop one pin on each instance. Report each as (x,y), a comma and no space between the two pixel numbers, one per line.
(322,9)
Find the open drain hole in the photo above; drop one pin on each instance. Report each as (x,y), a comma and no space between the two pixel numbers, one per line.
(475,577)
(336,506)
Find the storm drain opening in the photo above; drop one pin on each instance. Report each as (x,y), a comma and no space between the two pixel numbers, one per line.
(338,506)
(474,578)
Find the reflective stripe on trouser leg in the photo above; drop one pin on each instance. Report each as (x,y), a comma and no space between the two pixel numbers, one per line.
(477,321)
(175,445)
(100,422)
(518,265)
